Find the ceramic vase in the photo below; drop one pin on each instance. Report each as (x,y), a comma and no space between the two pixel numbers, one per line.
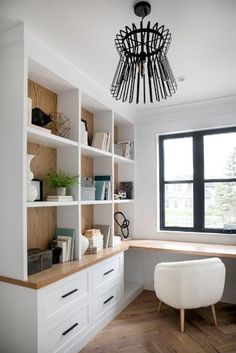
(84,243)
(61,191)
(31,189)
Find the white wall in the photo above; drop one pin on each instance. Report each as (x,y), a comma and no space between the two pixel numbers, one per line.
(206,114)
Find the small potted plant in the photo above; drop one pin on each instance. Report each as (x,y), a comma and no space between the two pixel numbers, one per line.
(62,181)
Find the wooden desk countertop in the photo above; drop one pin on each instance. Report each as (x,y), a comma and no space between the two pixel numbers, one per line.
(228,251)
(60,271)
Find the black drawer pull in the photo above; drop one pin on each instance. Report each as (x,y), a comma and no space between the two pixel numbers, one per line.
(70,329)
(106,273)
(106,301)
(69,293)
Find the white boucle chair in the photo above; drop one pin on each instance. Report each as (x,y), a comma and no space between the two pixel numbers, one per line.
(190,284)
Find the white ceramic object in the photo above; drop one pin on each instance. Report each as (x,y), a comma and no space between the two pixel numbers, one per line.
(31,189)
(61,191)
(84,244)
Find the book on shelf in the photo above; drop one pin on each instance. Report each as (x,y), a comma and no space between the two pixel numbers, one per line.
(67,241)
(69,235)
(105,231)
(103,183)
(101,140)
(63,244)
(127,149)
(59,198)
(100,190)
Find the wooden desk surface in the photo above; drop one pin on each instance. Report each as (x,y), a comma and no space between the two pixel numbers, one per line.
(60,271)
(228,251)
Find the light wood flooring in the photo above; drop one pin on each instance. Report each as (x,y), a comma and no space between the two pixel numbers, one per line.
(141,329)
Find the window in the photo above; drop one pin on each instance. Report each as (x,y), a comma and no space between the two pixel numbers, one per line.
(198,181)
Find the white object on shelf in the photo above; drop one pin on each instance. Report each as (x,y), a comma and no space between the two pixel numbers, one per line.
(84,243)
(88,193)
(31,189)
(29,101)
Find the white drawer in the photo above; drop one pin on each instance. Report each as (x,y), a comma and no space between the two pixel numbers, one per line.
(106,272)
(64,294)
(105,301)
(58,337)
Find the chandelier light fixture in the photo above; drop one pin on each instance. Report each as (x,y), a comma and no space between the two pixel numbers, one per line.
(143,68)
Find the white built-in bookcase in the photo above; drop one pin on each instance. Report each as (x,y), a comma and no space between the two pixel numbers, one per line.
(20,63)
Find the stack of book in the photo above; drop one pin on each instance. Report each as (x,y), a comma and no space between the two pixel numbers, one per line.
(65,239)
(95,238)
(116,240)
(101,140)
(59,198)
(127,148)
(103,187)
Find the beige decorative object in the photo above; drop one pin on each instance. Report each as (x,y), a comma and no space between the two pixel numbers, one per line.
(60,124)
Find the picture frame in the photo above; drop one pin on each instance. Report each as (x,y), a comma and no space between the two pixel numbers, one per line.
(126,187)
(39,186)
(84,132)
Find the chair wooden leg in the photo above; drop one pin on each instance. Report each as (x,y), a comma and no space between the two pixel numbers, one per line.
(159,307)
(214,314)
(181,320)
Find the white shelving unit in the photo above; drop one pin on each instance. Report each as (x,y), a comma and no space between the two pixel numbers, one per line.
(29,67)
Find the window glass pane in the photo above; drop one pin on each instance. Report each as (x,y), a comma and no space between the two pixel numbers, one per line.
(178,159)
(220,205)
(220,156)
(179,205)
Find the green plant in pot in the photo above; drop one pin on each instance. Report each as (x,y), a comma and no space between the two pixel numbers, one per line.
(62,181)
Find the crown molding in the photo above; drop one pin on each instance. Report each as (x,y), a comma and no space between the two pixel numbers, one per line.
(194,110)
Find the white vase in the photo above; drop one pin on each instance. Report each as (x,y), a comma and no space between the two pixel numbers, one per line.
(84,243)
(31,189)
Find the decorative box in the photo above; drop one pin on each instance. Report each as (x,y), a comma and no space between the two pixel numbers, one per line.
(39,260)
(87,193)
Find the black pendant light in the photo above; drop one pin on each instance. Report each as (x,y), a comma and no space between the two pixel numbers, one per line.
(143,68)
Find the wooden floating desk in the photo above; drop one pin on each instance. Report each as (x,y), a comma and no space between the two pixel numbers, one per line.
(61,271)
(228,251)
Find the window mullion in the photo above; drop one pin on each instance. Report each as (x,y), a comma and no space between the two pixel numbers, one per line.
(198,180)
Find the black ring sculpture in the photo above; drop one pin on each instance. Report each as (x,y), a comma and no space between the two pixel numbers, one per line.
(124,225)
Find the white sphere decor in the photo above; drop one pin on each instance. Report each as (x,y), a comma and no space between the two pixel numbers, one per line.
(31,189)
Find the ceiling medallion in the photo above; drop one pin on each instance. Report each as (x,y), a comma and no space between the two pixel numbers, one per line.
(143,68)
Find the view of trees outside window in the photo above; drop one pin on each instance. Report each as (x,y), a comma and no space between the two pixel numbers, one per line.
(219,196)
(220,163)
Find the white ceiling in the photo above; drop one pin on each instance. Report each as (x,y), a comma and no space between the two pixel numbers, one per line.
(203,48)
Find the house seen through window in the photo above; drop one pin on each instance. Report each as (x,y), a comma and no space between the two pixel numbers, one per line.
(198,181)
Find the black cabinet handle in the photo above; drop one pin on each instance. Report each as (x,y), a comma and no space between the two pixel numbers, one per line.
(69,293)
(70,329)
(106,273)
(106,301)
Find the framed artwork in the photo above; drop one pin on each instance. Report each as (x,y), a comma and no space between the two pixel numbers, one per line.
(126,187)
(39,186)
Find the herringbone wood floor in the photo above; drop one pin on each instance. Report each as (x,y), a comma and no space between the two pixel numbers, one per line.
(140,329)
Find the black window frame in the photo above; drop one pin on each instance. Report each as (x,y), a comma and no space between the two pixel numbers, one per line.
(198,180)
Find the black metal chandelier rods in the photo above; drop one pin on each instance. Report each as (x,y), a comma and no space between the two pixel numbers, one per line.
(143,65)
